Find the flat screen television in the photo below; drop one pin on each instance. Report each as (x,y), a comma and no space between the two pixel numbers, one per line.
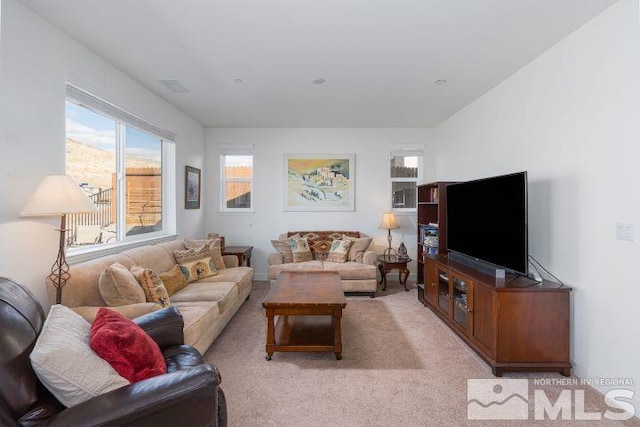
(487,220)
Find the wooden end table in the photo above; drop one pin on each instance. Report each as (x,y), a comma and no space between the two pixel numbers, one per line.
(242,252)
(309,308)
(386,263)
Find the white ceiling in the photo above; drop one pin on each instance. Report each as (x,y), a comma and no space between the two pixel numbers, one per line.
(379,58)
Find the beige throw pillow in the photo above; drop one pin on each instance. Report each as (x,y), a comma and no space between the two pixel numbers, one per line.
(358,247)
(339,251)
(300,249)
(152,286)
(284,249)
(174,280)
(64,362)
(118,286)
(195,263)
(215,249)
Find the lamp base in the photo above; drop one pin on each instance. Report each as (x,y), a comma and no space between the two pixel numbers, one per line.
(390,252)
(60,269)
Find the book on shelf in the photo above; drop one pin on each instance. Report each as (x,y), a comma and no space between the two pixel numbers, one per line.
(433,195)
(428,230)
(429,238)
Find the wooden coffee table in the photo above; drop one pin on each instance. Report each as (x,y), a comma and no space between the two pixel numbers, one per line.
(309,308)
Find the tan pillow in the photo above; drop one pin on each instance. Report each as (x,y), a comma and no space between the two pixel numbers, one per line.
(151,284)
(118,286)
(300,249)
(358,247)
(339,251)
(284,249)
(215,247)
(174,280)
(195,263)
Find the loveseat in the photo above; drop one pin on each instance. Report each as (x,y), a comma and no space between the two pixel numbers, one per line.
(206,305)
(358,273)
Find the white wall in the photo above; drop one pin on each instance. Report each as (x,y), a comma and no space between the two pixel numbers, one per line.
(372,187)
(571,119)
(36,60)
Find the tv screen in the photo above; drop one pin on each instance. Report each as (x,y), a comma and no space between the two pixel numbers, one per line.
(487,220)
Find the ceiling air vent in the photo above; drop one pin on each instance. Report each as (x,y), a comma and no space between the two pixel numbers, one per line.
(174,86)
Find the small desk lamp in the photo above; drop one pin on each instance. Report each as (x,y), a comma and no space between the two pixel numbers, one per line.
(389,223)
(58,195)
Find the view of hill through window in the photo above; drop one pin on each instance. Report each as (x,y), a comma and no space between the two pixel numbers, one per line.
(93,144)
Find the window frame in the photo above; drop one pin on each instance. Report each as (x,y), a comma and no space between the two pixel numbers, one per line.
(405,153)
(235,150)
(122,119)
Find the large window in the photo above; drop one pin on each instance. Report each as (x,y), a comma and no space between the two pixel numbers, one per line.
(236,178)
(121,162)
(405,173)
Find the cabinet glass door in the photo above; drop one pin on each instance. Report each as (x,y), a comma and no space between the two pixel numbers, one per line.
(444,297)
(461,304)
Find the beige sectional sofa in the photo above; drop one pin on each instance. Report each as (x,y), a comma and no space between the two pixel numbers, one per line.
(206,305)
(358,275)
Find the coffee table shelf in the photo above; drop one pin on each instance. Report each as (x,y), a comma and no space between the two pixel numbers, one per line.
(304,333)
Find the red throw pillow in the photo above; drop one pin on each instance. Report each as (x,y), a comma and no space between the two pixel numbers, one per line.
(128,348)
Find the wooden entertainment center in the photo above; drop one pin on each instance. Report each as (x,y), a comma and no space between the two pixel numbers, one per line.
(513,324)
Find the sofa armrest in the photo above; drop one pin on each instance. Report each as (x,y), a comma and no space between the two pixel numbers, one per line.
(161,400)
(165,327)
(129,311)
(230,261)
(369,258)
(275,259)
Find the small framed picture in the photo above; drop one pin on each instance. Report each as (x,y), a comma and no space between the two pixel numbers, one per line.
(192,188)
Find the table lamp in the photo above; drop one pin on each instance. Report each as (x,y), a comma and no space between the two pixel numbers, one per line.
(58,195)
(389,223)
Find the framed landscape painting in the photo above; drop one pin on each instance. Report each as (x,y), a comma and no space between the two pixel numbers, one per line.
(319,182)
(192,188)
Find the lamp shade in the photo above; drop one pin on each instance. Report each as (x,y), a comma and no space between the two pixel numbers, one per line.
(389,221)
(57,195)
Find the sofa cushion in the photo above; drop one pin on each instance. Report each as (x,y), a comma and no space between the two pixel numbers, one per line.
(173,280)
(300,249)
(221,292)
(339,251)
(199,317)
(215,249)
(243,276)
(358,247)
(195,263)
(154,257)
(352,270)
(151,284)
(126,347)
(118,286)
(65,363)
(130,311)
(276,269)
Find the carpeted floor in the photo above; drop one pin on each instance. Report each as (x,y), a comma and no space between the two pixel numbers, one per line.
(401,366)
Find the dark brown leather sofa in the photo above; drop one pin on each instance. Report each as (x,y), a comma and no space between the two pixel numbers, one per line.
(188,395)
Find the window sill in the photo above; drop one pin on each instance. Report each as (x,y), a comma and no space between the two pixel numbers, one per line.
(405,212)
(247,212)
(77,255)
